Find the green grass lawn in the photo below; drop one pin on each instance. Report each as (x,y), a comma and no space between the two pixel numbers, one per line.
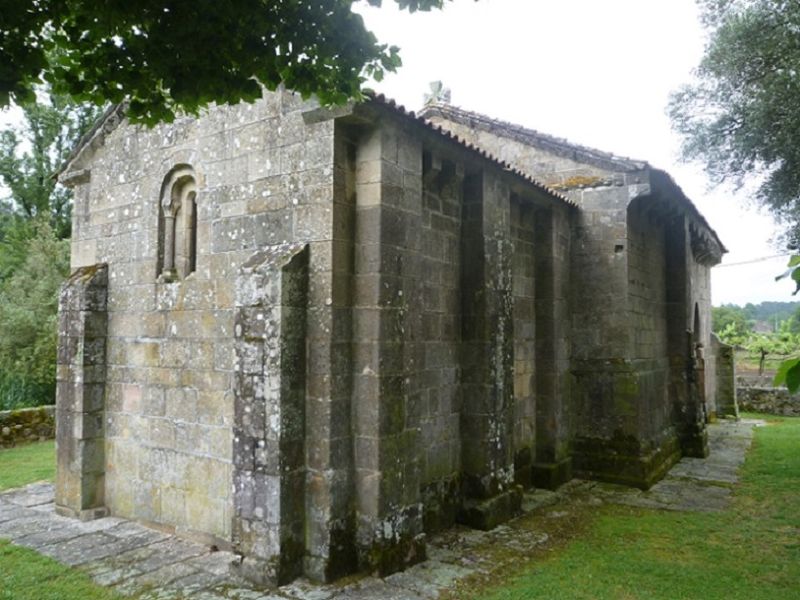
(751,551)
(25,574)
(26,464)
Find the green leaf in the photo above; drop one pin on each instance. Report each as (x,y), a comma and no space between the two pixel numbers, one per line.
(783,368)
(178,61)
(793,378)
(740,117)
(788,374)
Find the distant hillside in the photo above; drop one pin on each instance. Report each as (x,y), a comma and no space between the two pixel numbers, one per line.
(763,318)
(770,312)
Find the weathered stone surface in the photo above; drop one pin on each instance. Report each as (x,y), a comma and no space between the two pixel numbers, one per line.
(80,430)
(726,401)
(639,282)
(322,337)
(269,414)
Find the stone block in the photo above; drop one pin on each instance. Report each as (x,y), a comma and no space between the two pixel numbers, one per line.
(551,476)
(488,514)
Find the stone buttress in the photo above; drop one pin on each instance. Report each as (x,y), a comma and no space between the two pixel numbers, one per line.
(642,377)
(80,394)
(269,414)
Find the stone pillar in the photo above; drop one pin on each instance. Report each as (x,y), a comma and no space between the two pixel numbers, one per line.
(692,432)
(727,406)
(80,395)
(487,411)
(553,462)
(524,284)
(330,526)
(269,414)
(387,479)
(684,393)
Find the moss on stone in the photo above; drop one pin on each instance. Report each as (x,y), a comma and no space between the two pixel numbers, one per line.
(488,514)
(624,459)
(551,476)
(385,557)
(580,181)
(441,504)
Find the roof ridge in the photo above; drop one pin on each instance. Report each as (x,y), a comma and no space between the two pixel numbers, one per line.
(534,134)
(504,165)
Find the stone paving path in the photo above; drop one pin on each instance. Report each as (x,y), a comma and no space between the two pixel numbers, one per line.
(159,566)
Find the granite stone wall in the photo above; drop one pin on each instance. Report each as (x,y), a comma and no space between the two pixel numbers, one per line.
(555,414)
(725,365)
(523,235)
(269,425)
(439,391)
(262,176)
(81,378)
(326,334)
(634,282)
(387,349)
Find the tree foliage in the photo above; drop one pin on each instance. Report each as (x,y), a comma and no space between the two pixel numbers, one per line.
(28,314)
(730,320)
(30,154)
(735,326)
(769,310)
(789,370)
(34,254)
(169,55)
(741,115)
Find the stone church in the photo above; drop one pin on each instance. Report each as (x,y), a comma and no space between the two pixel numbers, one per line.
(314,336)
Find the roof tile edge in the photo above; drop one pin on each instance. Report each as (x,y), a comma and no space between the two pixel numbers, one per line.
(503,165)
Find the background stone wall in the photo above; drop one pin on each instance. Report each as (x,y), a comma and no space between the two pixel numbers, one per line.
(27,425)
(772,401)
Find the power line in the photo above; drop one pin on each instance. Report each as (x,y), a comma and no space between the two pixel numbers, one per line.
(754,260)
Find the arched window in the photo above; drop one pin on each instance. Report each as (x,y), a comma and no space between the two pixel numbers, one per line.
(177,227)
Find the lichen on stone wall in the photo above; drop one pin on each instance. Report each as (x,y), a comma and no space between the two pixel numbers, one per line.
(582,181)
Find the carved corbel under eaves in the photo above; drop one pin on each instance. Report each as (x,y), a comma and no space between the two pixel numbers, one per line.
(74,178)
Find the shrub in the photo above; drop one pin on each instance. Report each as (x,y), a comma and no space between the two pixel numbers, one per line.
(28,320)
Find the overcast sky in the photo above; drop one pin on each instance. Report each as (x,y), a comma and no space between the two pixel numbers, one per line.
(596,72)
